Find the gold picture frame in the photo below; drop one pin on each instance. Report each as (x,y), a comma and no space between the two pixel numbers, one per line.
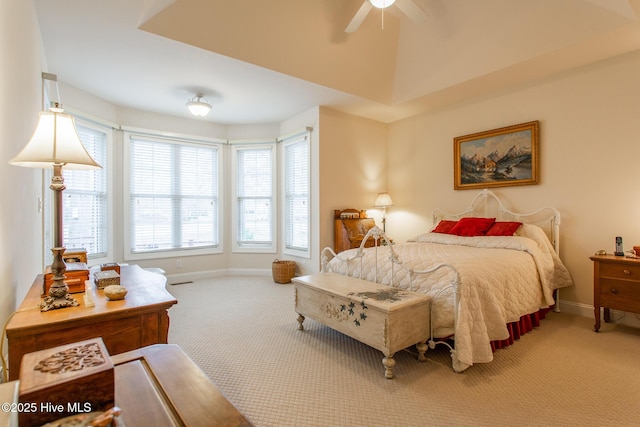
(497,158)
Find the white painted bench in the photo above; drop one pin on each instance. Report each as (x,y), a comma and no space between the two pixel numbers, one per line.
(386,318)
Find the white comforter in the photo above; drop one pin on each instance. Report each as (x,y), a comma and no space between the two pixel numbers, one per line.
(501,279)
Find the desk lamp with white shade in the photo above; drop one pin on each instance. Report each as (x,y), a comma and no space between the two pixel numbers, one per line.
(383,200)
(55,144)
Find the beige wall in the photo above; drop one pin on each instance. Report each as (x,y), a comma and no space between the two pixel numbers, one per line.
(353,166)
(589,151)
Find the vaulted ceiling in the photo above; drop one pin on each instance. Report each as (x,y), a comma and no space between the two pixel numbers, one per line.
(265,61)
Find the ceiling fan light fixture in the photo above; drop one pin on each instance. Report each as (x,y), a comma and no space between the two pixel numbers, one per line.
(382,4)
(199,106)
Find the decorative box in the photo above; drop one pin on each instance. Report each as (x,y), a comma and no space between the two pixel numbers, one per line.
(111,266)
(106,278)
(65,380)
(76,274)
(75,255)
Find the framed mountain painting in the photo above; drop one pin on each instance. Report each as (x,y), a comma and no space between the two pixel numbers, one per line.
(497,158)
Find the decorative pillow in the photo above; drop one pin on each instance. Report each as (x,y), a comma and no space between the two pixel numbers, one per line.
(472,226)
(503,228)
(444,226)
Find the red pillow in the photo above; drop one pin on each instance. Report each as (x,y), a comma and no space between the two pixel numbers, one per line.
(472,226)
(503,228)
(444,226)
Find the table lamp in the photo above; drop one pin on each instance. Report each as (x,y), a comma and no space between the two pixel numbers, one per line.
(55,144)
(383,200)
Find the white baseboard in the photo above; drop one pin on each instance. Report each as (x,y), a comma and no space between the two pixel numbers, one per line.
(584,310)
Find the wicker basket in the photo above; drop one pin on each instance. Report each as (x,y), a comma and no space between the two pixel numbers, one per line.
(283,270)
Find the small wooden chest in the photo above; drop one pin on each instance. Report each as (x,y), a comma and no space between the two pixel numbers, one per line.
(65,380)
(110,266)
(106,278)
(75,255)
(76,274)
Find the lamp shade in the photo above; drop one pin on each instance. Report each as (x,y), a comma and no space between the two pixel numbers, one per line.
(199,106)
(383,200)
(55,142)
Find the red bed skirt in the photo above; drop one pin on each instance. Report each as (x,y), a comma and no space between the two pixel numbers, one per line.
(521,327)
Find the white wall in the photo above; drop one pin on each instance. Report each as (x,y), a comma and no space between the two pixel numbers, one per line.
(20,86)
(589,151)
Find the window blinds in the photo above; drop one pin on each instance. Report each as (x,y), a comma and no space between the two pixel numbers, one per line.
(296,183)
(173,194)
(254,196)
(84,206)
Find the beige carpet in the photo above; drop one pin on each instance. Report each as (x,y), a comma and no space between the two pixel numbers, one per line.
(242,332)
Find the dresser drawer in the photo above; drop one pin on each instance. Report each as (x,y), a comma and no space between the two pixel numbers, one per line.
(619,271)
(620,294)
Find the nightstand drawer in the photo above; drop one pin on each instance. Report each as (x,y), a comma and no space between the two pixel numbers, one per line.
(620,294)
(620,271)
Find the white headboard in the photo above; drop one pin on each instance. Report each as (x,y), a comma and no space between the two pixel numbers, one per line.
(487,205)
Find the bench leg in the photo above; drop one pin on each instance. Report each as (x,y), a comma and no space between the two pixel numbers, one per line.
(388,362)
(300,320)
(422,349)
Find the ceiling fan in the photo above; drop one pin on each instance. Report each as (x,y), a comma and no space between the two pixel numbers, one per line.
(408,7)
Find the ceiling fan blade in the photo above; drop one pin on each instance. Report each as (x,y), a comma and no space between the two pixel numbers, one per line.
(412,10)
(359,17)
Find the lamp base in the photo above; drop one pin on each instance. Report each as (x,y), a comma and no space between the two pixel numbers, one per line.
(59,291)
(52,303)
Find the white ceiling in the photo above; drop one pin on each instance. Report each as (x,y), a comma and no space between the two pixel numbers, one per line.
(263,61)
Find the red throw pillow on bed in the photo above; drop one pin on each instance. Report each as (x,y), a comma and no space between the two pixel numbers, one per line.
(503,228)
(444,226)
(472,226)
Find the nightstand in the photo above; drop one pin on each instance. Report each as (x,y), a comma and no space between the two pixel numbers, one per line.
(616,284)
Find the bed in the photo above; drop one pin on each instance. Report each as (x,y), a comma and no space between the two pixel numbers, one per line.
(487,286)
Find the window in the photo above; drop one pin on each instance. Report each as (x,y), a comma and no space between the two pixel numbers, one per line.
(85,203)
(296,195)
(253,203)
(173,200)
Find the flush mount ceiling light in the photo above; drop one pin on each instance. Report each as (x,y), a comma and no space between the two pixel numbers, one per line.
(199,106)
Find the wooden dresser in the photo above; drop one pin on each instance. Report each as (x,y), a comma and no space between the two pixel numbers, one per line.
(139,320)
(616,285)
(350,227)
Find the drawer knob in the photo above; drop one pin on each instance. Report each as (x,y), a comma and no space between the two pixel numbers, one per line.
(614,291)
(627,272)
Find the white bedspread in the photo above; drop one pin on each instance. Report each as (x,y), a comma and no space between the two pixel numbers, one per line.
(501,279)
